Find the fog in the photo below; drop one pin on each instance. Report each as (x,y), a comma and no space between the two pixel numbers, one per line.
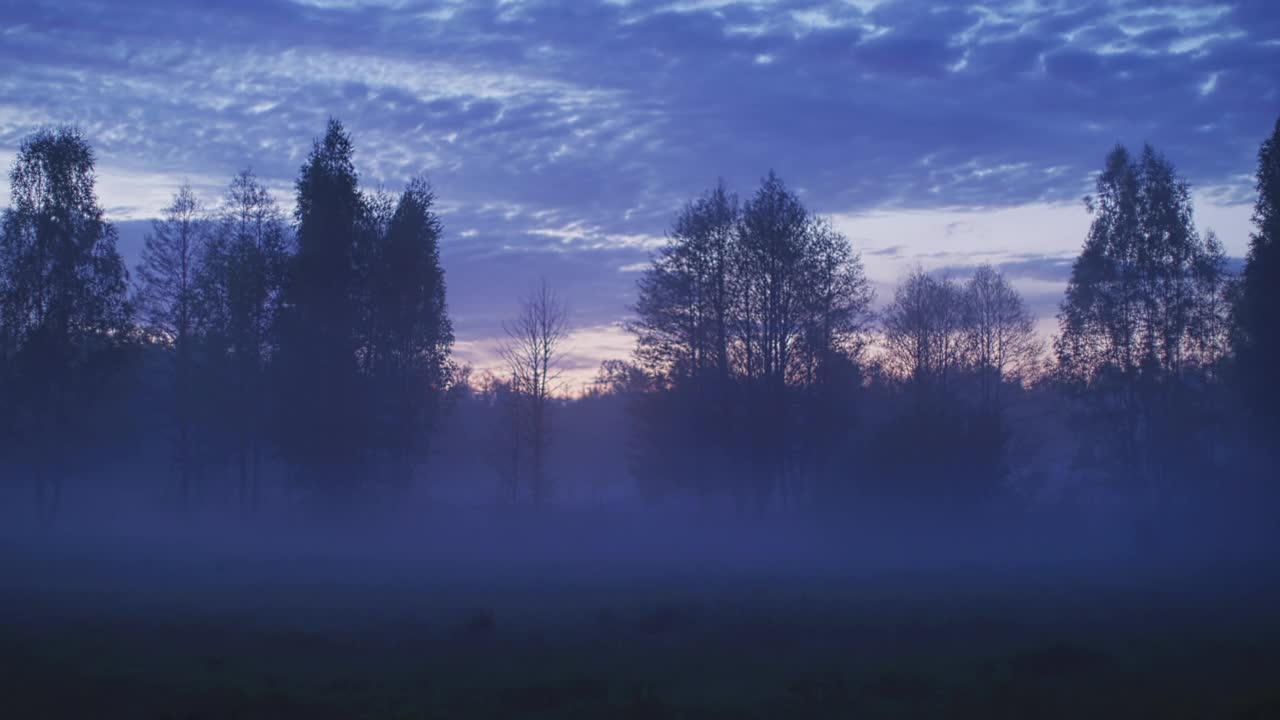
(106,544)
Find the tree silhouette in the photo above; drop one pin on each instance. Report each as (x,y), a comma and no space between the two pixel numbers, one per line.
(322,404)
(241,285)
(533,350)
(939,335)
(682,324)
(925,332)
(1000,333)
(504,435)
(742,313)
(682,328)
(64,306)
(1257,311)
(166,301)
(1141,311)
(412,333)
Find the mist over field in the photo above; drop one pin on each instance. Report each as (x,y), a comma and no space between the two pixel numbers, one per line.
(490,612)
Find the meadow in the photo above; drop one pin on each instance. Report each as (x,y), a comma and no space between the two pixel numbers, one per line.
(151,627)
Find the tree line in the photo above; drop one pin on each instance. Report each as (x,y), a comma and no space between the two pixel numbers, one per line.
(761,372)
(313,352)
(324,343)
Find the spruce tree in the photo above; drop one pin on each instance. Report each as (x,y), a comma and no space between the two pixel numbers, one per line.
(412,331)
(322,403)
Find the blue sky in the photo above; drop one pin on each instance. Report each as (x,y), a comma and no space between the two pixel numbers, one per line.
(562,136)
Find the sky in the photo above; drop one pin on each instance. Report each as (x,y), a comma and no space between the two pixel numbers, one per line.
(561,137)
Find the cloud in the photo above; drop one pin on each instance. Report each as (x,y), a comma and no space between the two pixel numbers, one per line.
(891,251)
(578,104)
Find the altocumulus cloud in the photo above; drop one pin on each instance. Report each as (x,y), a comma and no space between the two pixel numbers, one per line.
(561,136)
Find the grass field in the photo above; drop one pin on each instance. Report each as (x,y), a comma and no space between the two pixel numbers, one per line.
(84,635)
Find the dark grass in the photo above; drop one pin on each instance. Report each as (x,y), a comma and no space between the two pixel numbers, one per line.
(162,641)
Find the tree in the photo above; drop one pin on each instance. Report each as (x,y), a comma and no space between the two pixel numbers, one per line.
(1143,297)
(240,289)
(772,286)
(1257,311)
(533,350)
(836,299)
(774,237)
(1000,333)
(682,324)
(166,302)
(64,307)
(371,234)
(1145,275)
(411,327)
(924,333)
(939,339)
(682,328)
(504,434)
(322,403)
(747,323)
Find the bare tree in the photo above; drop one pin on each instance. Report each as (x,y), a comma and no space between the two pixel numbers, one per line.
(1000,333)
(533,349)
(923,330)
